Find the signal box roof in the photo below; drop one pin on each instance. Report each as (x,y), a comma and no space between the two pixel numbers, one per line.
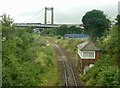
(88,46)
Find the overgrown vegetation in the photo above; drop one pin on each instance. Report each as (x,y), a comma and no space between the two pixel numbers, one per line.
(70,44)
(106,69)
(28,59)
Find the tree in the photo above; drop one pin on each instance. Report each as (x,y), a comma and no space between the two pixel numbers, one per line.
(7,28)
(6,20)
(95,23)
(62,30)
(74,30)
(49,32)
(118,20)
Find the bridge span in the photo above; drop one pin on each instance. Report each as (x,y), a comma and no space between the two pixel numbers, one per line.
(36,25)
(39,25)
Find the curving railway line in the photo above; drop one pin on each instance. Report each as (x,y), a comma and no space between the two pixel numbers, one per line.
(69,76)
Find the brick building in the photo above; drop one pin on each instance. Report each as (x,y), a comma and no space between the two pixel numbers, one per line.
(88,53)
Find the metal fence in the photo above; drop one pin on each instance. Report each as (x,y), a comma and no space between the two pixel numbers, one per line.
(75,35)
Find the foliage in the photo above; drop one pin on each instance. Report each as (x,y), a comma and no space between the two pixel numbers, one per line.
(106,71)
(26,58)
(6,20)
(110,44)
(108,76)
(95,23)
(50,32)
(70,44)
(7,28)
(58,37)
(118,20)
(63,29)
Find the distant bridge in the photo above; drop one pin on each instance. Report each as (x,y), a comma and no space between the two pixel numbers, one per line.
(36,25)
(39,25)
(45,24)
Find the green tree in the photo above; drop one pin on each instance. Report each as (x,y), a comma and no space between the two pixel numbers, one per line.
(118,20)
(6,20)
(62,30)
(74,30)
(50,32)
(95,23)
(7,28)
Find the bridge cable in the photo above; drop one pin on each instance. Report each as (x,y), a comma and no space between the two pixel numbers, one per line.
(35,15)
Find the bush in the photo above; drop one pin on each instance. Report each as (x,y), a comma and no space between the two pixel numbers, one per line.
(108,76)
(58,37)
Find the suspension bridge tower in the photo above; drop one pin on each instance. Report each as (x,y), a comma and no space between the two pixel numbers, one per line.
(52,18)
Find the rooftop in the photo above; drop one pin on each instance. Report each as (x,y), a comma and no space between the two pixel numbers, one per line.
(88,46)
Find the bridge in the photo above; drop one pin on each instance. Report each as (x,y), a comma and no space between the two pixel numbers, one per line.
(39,25)
(36,25)
(45,25)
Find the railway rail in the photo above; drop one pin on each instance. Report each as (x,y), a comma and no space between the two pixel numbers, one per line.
(69,76)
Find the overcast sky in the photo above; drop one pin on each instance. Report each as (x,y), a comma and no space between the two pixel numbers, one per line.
(65,11)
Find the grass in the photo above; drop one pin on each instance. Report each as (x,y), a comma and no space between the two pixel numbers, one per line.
(51,76)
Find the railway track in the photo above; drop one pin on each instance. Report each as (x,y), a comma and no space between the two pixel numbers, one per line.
(69,76)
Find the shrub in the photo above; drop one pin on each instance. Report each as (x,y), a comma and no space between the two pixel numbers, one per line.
(58,37)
